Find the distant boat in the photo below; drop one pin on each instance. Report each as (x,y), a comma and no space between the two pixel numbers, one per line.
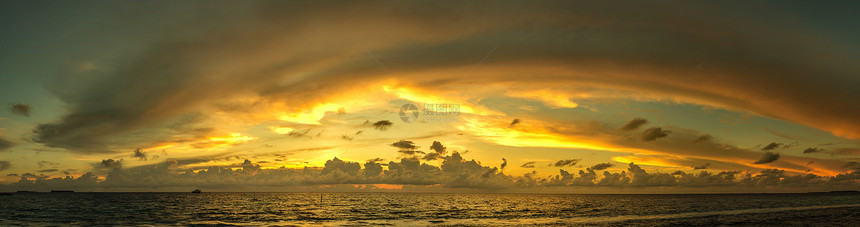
(196,191)
(64,191)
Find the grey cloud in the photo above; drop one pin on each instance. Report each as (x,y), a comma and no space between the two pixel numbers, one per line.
(5,144)
(139,154)
(504,164)
(438,148)
(404,145)
(634,124)
(4,165)
(340,166)
(20,109)
(703,166)
(852,165)
(429,156)
(382,125)
(514,122)
(111,164)
(566,162)
(767,157)
(812,150)
(602,166)
(31,175)
(48,170)
(654,133)
(772,146)
(528,165)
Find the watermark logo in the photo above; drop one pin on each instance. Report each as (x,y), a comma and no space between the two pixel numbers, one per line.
(409,113)
(436,112)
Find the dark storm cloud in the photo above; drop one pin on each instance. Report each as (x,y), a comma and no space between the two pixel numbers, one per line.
(772,146)
(438,148)
(528,165)
(703,166)
(601,166)
(404,145)
(382,125)
(5,144)
(427,157)
(767,157)
(439,151)
(565,162)
(4,165)
(20,109)
(812,150)
(634,124)
(31,175)
(654,133)
(111,164)
(139,154)
(852,165)
(514,122)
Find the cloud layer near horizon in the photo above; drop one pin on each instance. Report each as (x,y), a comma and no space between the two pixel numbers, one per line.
(454,172)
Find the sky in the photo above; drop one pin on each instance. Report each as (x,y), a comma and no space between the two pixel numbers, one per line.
(468,96)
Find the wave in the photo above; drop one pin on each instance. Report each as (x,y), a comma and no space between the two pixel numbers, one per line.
(624,218)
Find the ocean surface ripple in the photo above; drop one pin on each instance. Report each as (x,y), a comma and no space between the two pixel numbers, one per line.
(334,209)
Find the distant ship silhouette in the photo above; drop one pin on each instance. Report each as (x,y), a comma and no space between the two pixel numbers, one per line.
(196,191)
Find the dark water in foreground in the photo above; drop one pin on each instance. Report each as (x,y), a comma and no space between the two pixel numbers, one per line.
(425,209)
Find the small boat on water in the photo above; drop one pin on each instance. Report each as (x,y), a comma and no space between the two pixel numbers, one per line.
(63,191)
(196,191)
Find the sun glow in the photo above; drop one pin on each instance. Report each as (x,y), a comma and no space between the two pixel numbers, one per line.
(416,95)
(281,130)
(312,116)
(522,138)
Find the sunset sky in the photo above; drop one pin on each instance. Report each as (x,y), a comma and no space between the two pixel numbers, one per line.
(565,96)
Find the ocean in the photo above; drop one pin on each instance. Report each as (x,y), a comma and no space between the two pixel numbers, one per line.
(419,209)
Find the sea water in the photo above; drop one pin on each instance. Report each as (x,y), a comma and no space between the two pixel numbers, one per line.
(416,209)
